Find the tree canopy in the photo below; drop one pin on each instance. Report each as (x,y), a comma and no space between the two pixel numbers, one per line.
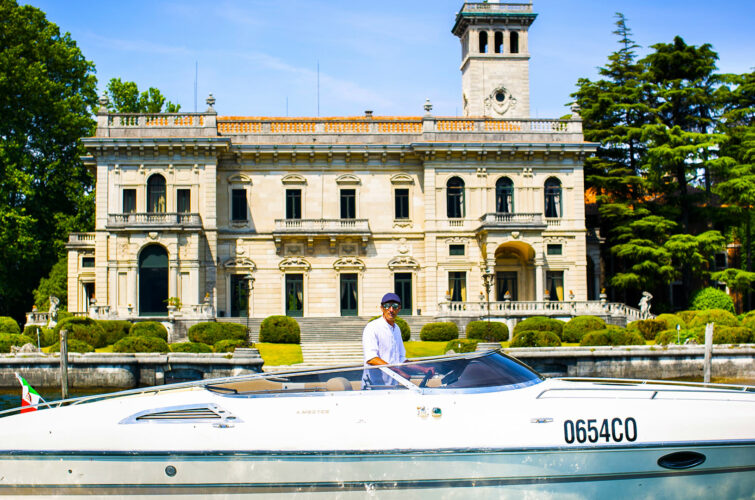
(126,98)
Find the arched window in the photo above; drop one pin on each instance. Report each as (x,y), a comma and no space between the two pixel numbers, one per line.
(156,194)
(514,42)
(498,42)
(504,195)
(553,198)
(455,198)
(153,280)
(483,42)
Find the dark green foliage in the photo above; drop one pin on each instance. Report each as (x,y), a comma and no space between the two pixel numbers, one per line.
(55,284)
(114,330)
(535,338)
(461,345)
(721,335)
(671,321)
(439,331)
(149,329)
(228,345)
(280,330)
(9,325)
(46,335)
(671,336)
(212,332)
(406,332)
(577,327)
(747,321)
(648,328)
(133,343)
(717,316)
(17,339)
(84,329)
(711,298)
(489,331)
(74,345)
(195,347)
(126,98)
(540,323)
(686,316)
(612,336)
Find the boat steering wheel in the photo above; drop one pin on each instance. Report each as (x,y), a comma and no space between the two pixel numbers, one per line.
(428,375)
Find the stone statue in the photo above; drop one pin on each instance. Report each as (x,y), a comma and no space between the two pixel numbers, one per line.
(645,304)
(53,311)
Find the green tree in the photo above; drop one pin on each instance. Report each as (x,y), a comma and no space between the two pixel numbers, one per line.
(126,98)
(47,89)
(56,283)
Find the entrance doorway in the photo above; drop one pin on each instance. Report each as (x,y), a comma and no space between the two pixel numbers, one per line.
(153,281)
(402,285)
(294,295)
(349,304)
(239,296)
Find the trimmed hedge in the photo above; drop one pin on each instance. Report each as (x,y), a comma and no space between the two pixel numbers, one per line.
(540,323)
(135,343)
(749,322)
(577,327)
(719,317)
(46,335)
(439,331)
(489,331)
(648,328)
(711,298)
(613,336)
(73,346)
(14,339)
(406,332)
(461,345)
(535,338)
(280,330)
(9,325)
(671,321)
(671,336)
(149,329)
(195,347)
(228,345)
(114,330)
(84,329)
(212,332)
(721,335)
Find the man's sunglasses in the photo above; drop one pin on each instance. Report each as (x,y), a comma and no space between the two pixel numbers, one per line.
(391,305)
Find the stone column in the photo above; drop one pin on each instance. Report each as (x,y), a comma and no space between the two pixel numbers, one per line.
(539,277)
(173,278)
(132,291)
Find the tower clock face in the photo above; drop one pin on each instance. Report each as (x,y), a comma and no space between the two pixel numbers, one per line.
(499,101)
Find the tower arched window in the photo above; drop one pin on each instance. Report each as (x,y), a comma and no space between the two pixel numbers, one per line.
(156,202)
(455,198)
(553,204)
(483,42)
(504,195)
(498,42)
(514,42)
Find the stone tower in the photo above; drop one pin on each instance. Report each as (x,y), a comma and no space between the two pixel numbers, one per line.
(495,58)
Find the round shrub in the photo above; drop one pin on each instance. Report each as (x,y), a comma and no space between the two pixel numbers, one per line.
(461,345)
(577,327)
(711,298)
(73,346)
(406,332)
(228,345)
(671,336)
(747,322)
(84,329)
(149,329)
(671,321)
(114,330)
(719,317)
(195,347)
(540,323)
(489,331)
(14,339)
(731,335)
(686,316)
(9,325)
(211,332)
(280,330)
(535,338)
(612,336)
(439,331)
(135,343)
(35,332)
(648,328)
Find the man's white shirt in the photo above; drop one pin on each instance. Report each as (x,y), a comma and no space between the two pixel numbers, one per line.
(383,341)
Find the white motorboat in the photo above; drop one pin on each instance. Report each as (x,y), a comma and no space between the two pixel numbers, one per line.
(479,425)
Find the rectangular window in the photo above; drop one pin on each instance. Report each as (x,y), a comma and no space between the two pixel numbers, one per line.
(402,203)
(555,250)
(506,285)
(87,262)
(238,205)
(239,296)
(402,285)
(295,295)
(183,201)
(129,201)
(293,203)
(455,249)
(457,285)
(348,204)
(554,285)
(349,295)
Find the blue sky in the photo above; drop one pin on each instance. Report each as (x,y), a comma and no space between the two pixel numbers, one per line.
(259,58)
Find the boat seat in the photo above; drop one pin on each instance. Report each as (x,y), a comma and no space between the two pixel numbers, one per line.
(338,384)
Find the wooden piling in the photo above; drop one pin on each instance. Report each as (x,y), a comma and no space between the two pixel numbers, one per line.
(64,364)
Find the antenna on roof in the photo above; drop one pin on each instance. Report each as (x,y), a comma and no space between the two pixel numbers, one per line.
(196,73)
(318,87)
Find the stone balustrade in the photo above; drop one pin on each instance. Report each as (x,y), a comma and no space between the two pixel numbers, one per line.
(506,220)
(322,226)
(525,308)
(173,120)
(154,220)
(503,8)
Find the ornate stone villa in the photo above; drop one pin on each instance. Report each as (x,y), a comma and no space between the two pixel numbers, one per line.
(203,216)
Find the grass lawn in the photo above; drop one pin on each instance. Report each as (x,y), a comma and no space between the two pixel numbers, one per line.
(415,349)
(280,354)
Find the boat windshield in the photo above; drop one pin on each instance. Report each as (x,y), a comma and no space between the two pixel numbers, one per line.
(464,372)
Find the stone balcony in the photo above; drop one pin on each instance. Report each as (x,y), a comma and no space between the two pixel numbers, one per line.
(311,229)
(154,221)
(80,240)
(512,221)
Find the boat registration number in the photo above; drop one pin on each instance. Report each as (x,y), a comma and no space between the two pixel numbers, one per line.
(593,430)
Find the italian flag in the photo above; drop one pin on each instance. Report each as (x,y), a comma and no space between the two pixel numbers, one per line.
(29,397)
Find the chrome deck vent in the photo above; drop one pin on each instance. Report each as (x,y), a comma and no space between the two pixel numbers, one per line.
(197,413)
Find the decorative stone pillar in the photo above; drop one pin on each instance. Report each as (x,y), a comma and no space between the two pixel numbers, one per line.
(539,278)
